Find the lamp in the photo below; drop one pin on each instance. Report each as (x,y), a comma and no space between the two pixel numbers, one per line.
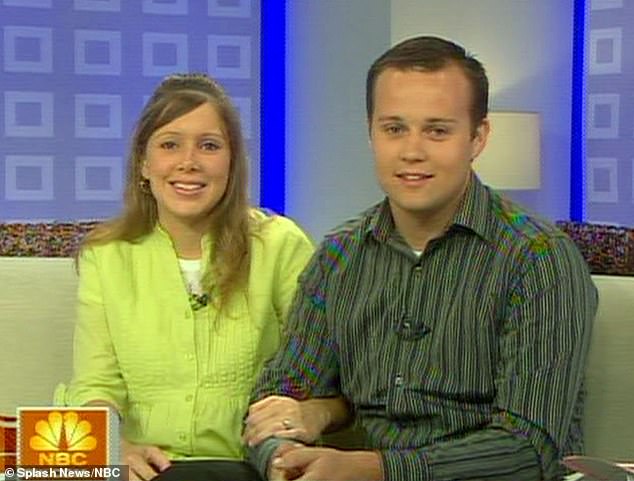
(511,158)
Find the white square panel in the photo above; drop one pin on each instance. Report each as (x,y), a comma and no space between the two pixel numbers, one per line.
(176,7)
(237,8)
(154,41)
(602,184)
(229,56)
(28,3)
(108,39)
(611,39)
(42,40)
(19,104)
(603,107)
(605,4)
(98,5)
(243,104)
(112,119)
(13,189)
(111,164)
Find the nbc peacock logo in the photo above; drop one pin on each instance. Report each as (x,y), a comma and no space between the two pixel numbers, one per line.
(63,436)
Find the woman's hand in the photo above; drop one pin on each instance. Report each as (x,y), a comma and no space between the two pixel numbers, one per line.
(286,417)
(283,417)
(144,461)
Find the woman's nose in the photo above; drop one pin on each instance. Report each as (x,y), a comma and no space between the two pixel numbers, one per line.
(189,158)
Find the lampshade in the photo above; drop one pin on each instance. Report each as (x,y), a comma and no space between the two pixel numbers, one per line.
(511,158)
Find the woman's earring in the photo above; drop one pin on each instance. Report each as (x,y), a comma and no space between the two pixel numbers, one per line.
(144,185)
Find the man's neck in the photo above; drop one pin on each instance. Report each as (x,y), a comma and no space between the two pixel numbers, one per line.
(419,228)
(418,231)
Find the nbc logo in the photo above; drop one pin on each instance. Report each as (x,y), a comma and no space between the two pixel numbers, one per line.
(62,439)
(63,436)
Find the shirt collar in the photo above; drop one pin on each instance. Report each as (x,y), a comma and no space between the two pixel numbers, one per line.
(162,236)
(381,223)
(474,213)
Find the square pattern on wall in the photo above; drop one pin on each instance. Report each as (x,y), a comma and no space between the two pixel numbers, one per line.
(603,116)
(605,50)
(29,177)
(605,4)
(609,128)
(28,49)
(602,180)
(75,75)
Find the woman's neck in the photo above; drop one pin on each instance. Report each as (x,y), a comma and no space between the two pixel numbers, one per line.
(186,238)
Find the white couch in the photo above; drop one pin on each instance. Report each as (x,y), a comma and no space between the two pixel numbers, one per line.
(37,315)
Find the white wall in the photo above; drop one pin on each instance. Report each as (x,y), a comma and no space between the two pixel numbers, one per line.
(526,46)
(329,170)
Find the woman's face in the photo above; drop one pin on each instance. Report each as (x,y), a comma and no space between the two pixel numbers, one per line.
(187,163)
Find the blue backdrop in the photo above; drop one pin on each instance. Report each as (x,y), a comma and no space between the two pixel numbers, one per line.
(75,75)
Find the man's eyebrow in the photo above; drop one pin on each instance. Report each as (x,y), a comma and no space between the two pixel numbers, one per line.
(432,120)
(390,118)
(441,120)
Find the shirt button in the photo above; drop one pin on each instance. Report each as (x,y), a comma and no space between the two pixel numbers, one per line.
(418,269)
(398,380)
(182,436)
(189,357)
(406,325)
(189,397)
(188,314)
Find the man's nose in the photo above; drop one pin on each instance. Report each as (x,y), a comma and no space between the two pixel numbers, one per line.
(413,148)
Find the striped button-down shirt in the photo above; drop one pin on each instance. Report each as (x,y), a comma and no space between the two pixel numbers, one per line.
(465,362)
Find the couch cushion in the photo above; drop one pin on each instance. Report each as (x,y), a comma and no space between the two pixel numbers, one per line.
(608,420)
(37,315)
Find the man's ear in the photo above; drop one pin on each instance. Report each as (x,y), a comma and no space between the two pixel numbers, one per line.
(480,138)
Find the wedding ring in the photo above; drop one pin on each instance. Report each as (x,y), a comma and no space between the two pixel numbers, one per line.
(287,423)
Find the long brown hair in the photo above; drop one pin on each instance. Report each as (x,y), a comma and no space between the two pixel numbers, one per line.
(231,223)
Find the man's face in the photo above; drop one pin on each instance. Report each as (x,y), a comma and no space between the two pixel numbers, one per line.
(423,141)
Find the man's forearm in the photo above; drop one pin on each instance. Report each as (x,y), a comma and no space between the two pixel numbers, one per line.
(493,454)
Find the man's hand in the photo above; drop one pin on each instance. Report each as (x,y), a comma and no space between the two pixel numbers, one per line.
(326,464)
(144,461)
(276,474)
(286,417)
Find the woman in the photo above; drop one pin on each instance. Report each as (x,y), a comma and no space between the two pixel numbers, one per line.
(182,297)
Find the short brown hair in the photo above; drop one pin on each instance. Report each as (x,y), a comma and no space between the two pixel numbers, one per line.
(430,54)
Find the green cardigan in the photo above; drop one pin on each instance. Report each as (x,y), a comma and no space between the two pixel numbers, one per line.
(181,379)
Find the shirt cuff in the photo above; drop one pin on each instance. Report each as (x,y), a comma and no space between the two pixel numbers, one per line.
(260,455)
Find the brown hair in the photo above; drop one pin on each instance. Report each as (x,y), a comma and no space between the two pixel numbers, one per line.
(431,54)
(231,223)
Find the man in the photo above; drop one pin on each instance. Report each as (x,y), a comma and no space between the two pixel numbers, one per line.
(445,321)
